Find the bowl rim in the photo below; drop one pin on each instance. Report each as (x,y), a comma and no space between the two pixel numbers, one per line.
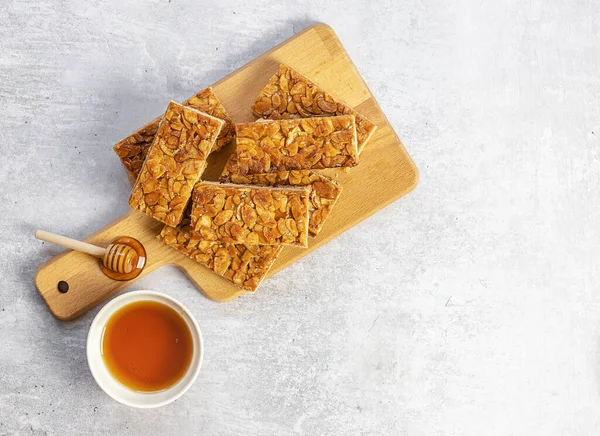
(115,389)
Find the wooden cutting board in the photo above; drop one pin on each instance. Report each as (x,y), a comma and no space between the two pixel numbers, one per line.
(385,173)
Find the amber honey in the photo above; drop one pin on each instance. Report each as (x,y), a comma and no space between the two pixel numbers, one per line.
(147,346)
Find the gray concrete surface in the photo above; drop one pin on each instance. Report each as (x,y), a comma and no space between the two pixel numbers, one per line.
(470,307)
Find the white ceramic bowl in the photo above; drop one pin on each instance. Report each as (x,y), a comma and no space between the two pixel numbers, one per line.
(113,387)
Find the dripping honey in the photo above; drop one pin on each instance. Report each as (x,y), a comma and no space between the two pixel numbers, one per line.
(147,346)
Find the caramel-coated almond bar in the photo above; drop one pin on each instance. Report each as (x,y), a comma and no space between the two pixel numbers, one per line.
(291,95)
(296,144)
(175,162)
(255,215)
(323,195)
(244,265)
(133,150)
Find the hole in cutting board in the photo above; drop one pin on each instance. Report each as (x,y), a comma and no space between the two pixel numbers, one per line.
(63,287)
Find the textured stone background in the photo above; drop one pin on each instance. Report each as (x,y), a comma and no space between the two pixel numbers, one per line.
(470,307)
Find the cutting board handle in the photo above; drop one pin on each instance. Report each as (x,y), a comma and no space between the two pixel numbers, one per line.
(85,285)
(72,282)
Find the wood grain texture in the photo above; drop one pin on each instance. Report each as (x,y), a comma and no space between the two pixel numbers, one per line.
(385,173)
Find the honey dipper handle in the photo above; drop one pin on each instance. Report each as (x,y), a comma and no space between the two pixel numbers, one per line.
(73,244)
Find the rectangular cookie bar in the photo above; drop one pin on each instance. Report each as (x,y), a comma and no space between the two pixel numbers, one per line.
(291,95)
(256,215)
(133,150)
(175,162)
(296,144)
(323,195)
(244,265)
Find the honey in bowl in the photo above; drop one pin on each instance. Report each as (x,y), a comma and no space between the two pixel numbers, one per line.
(147,346)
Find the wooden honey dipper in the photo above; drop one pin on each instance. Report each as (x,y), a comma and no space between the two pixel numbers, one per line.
(119,258)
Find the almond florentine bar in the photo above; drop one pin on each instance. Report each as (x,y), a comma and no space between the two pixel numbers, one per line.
(175,162)
(133,150)
(255,215)
(323,195)
(244,265)
(291,95)
(296,144)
